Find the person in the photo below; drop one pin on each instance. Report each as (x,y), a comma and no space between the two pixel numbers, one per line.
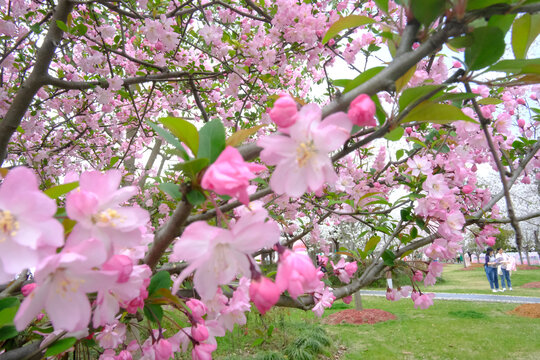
(490,266)
(502,269)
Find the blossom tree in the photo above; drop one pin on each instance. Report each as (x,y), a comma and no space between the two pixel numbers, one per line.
(153,150)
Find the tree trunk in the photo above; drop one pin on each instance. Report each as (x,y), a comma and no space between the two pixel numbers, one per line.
(528,257)
(358,301)
(520,256)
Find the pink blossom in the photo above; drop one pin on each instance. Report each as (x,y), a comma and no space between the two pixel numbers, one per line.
(120,264)
(163,350)
(344,270)
(96,208)
(27,289)
(296,273)
(27,226)
(418,276)
(490,241)
(362,111)
(405,290)
(424,301)
(302,158)
(63,280)
(202,351)
(467,189)
(124,355)
(436,186)
(199,332)
(347,299)
(198,309)
(436,268)
(218,255)
(323,300)
(230,175)
(419,165)
(112,335)
(284,111)
(264,294)
(430,279)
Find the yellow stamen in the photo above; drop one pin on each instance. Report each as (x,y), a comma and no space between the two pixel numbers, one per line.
(8,225)
(108,217)
(304,152)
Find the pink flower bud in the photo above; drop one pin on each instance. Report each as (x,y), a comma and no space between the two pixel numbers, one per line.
(198,309)
(362,111)
(521,123)
(490,241)
(121,264)
(526,179)
(408,130)
(533,96)
(347,299)
(27,289)
(418,276)
(284,111)
(202,352)
(467,189)
(163,350)
(331,42)
(199,332)
(456,64)
(264,294)
(124,355)
(521,101)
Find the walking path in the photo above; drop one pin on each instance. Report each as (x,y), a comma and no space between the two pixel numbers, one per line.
(471,297)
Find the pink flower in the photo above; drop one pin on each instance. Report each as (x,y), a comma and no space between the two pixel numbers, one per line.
(419,165)
(63,280)
(296,273)
(423,301)
(96,208)
(203,351)
(436,186)
(322,301)
(490,241)
(362,111)
(467,189)
(344,270)
(112,335)
(199,332)
(347,299)
(230,175)
(120,264)
(264,294)
(124,355)
(302,158)
(436,268)
(198,309)
(418,276)
(163,350)
(430,279)
(27,225)
(284,111)
(218,255)
(27,289)
(405,290)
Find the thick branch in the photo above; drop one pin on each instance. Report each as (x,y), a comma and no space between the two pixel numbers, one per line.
(30,87)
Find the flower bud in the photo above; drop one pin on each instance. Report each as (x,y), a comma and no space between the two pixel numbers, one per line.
(284,111)
(362,111)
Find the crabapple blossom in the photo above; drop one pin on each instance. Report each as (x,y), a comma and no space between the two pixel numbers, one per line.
(323,300)
(362,111)
(284,111)
(344,270)
(218,255)
(419,165)
(230,175)
(302,157)
(264,293)
(112,335)
(296,273)
(28,231)
(423,301)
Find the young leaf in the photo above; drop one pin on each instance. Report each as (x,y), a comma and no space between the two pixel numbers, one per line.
(7,332)
(388,257)
(56,191)
(347,22)
(238,137)
(211,140)
(191,168)
(426,11)
(195,197)
(404,80)
(524,32)
(362,78)
(171,189)
(60,346)
(488,47)
(160,280)
(429,111)
(183,130)
(170,138)
(395,134)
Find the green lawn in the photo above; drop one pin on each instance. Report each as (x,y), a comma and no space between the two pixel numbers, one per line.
(457,280)
(447,330)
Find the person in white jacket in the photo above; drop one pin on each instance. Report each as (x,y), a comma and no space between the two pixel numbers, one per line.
(505,263)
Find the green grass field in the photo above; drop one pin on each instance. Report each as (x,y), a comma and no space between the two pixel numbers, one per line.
(447,330)
(457,280)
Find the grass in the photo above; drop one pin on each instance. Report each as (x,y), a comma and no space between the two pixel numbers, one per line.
(456,280)
(447,330)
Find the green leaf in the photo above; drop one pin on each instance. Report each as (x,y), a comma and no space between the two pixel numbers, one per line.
(153,312)
(388,257)
(56,191)
(362,78)
(211,140)
(195,197)
(503,22)
(414,232)
(62,25)
(161,279)
(9,302)
(426,11)
(7,315)
(258,342)
(479,4)
(416,141)
(170,138)
(395,134)
(489,101)
(382,4)
(238,137)
(410,95)
(399,154)
(372,243)
(183,130)
(432,112)
(347,22)
(524,32)
(515,66)
(192,167)
(340,82)
(461,42)
(171,189)
(60,346)
(404,80)
(488,47)
(8,332)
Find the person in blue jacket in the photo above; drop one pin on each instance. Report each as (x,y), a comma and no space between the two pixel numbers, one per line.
(490,266)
